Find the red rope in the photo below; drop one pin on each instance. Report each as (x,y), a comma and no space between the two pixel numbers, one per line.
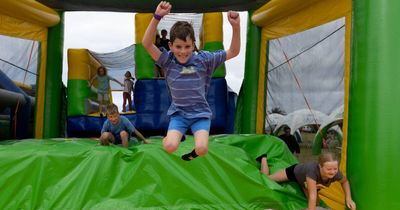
(15,120)
(298,84)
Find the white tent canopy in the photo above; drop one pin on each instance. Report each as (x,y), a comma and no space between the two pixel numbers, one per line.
(271,120)
(300,118)
(338,112)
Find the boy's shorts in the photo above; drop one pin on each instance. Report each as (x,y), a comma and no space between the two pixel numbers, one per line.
(182,124)
(117,138)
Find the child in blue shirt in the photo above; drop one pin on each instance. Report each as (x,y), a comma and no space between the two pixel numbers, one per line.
(188,76)
(117,129)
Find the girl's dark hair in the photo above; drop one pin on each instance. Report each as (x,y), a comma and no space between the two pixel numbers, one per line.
(128,74)
(181,30)
(102,67)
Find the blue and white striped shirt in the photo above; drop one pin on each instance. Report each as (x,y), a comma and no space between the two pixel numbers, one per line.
(188,83)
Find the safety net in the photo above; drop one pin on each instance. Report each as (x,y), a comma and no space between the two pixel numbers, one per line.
(305,70)
(19,59)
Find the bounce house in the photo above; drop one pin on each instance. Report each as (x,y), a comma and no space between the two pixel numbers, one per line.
(48,160)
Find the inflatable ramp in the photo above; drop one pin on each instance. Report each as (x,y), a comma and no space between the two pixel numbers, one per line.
(81,174)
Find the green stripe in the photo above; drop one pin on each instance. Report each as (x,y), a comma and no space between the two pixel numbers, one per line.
(53,84)
(373,140)
(246,114)
(78,93)
(144,63)
(214,46)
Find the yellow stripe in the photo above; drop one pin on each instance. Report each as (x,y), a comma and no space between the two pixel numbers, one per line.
(286,18)
(142,20)
(18,28)
(260,120)
(40,97)
(81,64)
(345,129)
(30,11)
(212,26)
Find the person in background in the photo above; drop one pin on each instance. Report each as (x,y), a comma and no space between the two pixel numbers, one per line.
(158,41)
(118,129)
(103,86)
(290,141)
(164,41)
(128,89)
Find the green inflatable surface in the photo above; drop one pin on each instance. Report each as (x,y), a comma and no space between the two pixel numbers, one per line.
(81,174)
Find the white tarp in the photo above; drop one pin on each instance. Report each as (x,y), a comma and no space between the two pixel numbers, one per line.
(316,63)
(117,63)
(195,19)
(19,59)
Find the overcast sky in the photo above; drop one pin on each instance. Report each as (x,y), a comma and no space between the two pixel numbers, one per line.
(109,31)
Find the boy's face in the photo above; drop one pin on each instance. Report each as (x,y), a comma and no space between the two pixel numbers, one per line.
(182,49)
(113,118)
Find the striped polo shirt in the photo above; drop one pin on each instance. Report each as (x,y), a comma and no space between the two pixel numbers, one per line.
(188,83)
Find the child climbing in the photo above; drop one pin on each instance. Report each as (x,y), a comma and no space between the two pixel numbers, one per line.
(312,177)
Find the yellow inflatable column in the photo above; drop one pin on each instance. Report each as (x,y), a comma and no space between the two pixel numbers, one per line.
(144,63)
(81,68)
(212,37)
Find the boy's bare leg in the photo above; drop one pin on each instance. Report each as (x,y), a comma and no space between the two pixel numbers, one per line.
(264,166)
(172,140)
(200,145)
(124,138)
(106,138)
(201,142)
(100,99)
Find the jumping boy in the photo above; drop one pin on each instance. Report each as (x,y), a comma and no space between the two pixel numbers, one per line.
(188,75)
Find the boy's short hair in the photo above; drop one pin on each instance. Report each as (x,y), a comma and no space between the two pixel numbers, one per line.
(181,30)
(112,109)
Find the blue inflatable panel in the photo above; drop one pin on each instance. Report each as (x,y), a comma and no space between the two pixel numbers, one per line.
(25,113)
(152,101)
(88,126)
(230,123)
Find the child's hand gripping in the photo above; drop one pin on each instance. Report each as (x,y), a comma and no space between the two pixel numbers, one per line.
(163,8)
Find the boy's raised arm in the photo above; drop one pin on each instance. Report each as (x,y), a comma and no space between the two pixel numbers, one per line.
(234,49)
(163,9)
